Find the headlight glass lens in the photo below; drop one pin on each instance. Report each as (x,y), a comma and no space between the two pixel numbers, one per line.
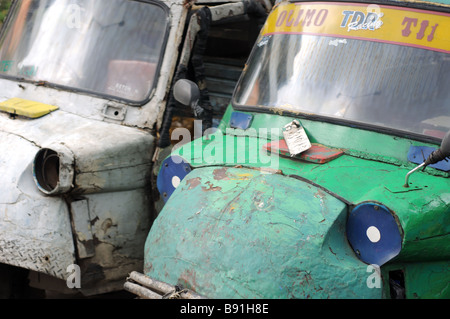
(373,233)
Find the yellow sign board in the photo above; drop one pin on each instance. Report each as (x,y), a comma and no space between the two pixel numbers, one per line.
(380,23)
(26,108)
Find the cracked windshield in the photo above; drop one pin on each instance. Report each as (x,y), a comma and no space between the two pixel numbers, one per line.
(376,79)
(58,42)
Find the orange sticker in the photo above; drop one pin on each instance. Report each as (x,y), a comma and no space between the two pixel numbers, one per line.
(387,24)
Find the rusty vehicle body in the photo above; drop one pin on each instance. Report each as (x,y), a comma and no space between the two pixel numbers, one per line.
(86,111)
(328,176)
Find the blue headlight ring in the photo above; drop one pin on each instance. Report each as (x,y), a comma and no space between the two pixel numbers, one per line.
(374,233)
(173,170)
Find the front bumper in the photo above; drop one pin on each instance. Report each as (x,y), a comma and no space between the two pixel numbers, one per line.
(241,233)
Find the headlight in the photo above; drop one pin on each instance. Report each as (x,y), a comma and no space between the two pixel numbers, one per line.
(173,170)
(53,170)
(373,233)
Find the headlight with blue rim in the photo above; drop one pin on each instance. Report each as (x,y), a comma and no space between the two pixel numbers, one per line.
(173,170)
(374,233)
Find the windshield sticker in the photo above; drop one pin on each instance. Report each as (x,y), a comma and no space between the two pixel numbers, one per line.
(336,42)
(6,65)
(263,41)
(361,21)
(26,71)
(386,24)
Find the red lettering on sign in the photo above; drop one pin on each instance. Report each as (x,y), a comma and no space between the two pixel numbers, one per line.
(421,32)
(423,27)
(281,18)
(299,16)
(289,19)
(433,30)
(407,30)
(321,16)
(309,15)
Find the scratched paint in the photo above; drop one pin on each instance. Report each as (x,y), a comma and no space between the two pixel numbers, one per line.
(273,235)
(370,168)
(237,232)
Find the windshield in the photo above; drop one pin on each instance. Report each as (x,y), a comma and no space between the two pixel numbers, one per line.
(336,63)
(106,47)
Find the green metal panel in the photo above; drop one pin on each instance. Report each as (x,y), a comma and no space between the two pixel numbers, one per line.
(246,234)
(247,224)
(373,168)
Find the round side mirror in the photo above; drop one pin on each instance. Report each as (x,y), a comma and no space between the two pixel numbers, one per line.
(186,92)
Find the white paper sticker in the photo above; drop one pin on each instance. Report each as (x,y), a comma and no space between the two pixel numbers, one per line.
(296,139)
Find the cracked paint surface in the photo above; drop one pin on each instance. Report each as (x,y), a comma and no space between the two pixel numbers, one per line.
(254,235)
(36,230)
(243,195)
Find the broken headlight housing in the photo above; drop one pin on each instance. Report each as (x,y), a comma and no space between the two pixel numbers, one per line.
(53,170)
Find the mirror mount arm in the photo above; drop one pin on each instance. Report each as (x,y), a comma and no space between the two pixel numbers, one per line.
(197,109)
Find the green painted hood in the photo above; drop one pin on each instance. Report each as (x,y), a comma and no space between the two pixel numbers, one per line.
(244,233)
(245,223)
(372,168)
